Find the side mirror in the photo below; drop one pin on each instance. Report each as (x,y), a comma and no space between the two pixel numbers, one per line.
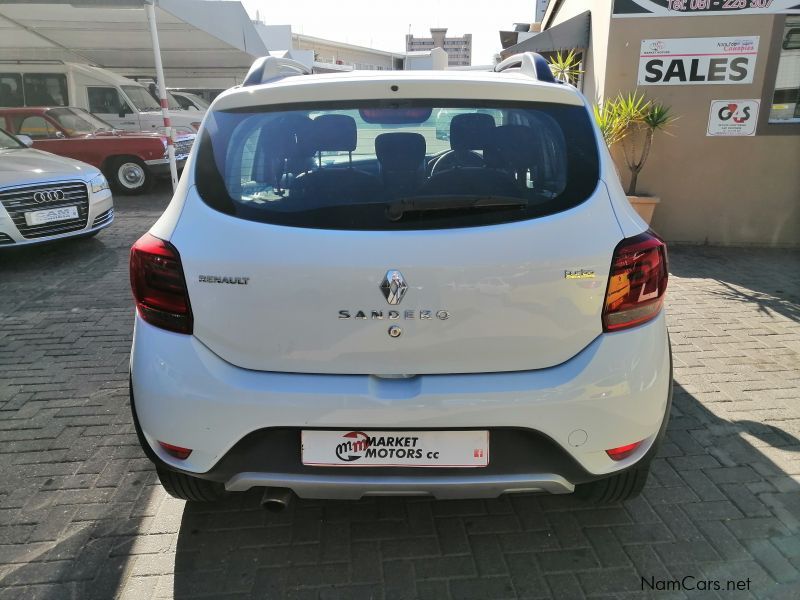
(124,110)
(25,140)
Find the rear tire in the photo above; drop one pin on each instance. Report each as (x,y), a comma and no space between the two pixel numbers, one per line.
(185,487)
(617,488)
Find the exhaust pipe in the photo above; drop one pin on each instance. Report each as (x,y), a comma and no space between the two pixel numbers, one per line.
(276,499)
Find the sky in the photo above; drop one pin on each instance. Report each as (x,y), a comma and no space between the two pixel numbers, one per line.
(383,25)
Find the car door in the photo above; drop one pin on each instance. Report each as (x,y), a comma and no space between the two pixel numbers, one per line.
(107,103)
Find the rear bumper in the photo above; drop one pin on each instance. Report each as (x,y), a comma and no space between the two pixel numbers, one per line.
(354,487)
(616,391)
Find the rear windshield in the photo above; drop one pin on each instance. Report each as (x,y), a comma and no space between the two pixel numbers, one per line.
(415,165)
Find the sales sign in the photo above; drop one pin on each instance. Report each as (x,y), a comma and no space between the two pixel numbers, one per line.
(732,117)
(698,61)
(698,8)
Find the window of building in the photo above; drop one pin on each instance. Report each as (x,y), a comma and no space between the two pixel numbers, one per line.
(45,89)
(11,90)
(786,99)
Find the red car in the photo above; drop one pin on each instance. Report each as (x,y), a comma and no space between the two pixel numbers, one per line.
(130,160)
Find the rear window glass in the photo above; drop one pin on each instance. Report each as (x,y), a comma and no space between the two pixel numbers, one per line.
(415,165)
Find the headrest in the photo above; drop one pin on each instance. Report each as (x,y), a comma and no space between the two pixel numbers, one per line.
(334,133)
(471,131)
(289,135)
(515,145)
(400,151)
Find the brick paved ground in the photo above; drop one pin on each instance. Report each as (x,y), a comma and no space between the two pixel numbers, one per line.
(82,515)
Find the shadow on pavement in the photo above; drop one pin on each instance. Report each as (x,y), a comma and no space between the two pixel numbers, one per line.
(715,508)
(759,276)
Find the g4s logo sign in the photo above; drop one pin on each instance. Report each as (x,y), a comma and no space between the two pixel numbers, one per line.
(732,117)
(732,111)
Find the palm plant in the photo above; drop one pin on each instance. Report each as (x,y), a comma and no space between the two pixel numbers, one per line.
(566,67)
(632,120)
(642,118)
(611,125)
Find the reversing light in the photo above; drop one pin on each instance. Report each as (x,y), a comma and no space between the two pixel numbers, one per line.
(159,286)
(637,282)
(175,451)
(623,451)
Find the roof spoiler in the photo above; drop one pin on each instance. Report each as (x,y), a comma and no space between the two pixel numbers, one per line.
(531,64)
(272,68)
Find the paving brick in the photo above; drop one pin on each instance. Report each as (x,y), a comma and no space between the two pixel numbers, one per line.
(578,559)
(82,515)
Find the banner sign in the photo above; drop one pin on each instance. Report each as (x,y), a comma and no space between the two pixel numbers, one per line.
(697,61)
(696,8)
(732,117)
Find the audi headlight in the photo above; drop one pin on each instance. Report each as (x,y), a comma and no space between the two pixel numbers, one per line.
(98,184)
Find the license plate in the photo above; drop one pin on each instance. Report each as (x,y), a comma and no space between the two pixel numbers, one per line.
(368,448)
(62,213)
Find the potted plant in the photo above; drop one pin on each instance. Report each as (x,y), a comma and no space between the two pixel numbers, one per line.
(632,122)
(566,67)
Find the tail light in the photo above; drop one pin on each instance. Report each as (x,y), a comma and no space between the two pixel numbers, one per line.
(176,451)
(637,282)
(159,286)
(623,451)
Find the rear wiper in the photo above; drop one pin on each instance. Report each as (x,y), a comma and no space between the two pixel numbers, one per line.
(395,210)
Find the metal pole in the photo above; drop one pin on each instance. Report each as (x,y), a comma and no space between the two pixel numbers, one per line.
(162,91)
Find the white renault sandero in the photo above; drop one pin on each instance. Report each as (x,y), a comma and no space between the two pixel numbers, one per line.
(339,303)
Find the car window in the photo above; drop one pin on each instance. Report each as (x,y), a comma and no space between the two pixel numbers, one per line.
(196,101)
(45,89)
(37,128)
(328,166)
(11,90)
(443,117)
(7,142)
(185,103)
(75,121)
(104,100)
(140,97)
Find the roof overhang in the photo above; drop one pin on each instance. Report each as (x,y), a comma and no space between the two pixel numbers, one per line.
(195,36)
(572,34)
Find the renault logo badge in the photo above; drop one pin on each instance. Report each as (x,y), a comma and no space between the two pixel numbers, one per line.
(394,287)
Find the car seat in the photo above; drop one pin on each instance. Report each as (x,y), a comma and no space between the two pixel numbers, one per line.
(402,161)
(468,132)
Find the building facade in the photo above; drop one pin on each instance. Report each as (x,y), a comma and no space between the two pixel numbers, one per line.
(728,172)
(459,49)
(340,53)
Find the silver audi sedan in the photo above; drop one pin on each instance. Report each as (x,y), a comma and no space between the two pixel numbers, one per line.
(44,197)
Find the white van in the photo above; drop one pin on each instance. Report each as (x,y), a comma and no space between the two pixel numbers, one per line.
(122,102)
